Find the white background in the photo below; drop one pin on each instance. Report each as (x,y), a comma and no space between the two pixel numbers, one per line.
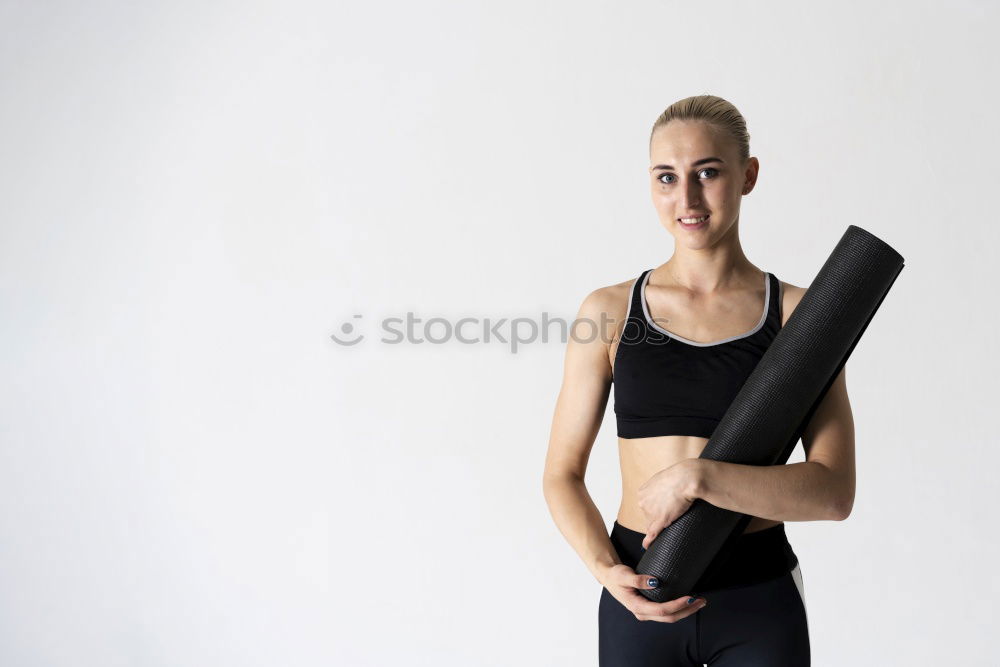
(195,195)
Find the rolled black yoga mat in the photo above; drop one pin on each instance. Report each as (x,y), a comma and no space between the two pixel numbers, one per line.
(767,417)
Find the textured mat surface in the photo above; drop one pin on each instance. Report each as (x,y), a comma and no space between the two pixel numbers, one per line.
(766,418)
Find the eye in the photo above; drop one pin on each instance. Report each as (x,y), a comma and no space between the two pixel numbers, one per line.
(712,173)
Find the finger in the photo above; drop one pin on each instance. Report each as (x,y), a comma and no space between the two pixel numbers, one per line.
(675,617)
(644,581)
(657,526)
(639,605)
(671,612)
(651,535)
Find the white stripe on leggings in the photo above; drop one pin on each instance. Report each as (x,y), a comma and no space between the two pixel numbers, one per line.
(797,577)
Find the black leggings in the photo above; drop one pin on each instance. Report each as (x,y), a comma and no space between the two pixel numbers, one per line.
(755,617)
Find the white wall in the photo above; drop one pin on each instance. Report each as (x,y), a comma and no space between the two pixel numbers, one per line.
(195,195)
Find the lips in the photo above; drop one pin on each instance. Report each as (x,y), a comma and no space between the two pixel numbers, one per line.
(695,221)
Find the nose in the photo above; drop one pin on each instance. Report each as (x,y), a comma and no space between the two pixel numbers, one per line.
(692,194)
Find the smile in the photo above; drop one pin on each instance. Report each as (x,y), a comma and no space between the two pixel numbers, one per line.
(693,223)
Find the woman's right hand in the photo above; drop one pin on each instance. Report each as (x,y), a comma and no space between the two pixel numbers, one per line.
(622,582)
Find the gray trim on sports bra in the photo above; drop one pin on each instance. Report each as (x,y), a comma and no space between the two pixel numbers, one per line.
(650,322)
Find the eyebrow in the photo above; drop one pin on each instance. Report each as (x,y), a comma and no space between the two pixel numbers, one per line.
(693,164)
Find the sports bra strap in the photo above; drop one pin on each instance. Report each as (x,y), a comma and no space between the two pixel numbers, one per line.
(635,303)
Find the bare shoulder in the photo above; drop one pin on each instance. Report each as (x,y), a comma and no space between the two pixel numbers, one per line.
(603,310)
(790,297)
(610,301)
(611,298)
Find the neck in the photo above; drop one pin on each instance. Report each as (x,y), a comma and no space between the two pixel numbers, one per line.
(706,270)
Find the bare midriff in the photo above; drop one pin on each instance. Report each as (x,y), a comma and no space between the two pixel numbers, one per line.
(641,458)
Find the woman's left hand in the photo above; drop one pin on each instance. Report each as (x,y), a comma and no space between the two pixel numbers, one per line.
(666,496)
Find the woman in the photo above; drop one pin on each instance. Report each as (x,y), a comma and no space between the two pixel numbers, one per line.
(677,343)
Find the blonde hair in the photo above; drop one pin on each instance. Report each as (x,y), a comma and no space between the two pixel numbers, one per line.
(710,109)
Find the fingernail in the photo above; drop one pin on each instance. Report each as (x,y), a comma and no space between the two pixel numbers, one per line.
(653,581)
(691,600)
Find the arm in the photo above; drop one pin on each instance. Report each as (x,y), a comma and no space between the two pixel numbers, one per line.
(578,414)
(821,487)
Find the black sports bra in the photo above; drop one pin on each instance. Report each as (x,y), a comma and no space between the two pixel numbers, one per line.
(665,384)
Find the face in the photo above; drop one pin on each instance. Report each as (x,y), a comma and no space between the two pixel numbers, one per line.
(696,172)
